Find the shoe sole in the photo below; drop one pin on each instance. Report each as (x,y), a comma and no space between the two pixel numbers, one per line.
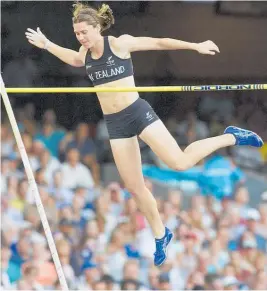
(166,252)
(243,129)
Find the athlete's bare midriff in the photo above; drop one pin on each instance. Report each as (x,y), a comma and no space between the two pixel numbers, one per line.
(112,102)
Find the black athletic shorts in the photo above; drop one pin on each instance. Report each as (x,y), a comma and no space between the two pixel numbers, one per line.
(130,121)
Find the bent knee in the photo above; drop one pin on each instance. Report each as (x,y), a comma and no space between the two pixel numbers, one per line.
(182,163)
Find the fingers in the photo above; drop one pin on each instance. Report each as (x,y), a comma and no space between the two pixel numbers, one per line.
(213,52)
(212,46)
(29,36)
(32,34)
(208,52)
(39,30)
(31,30)
(216,48)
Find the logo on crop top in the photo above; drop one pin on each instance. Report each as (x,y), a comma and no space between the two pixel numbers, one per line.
(110,62)
(149,116)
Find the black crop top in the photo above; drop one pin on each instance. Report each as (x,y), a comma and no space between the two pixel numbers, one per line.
(108,67)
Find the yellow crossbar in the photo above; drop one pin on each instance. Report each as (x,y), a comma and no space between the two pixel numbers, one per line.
(239,87)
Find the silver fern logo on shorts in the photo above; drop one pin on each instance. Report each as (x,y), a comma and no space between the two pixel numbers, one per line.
(149,116)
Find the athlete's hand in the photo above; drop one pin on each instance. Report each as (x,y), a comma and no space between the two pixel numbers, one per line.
(207,48)
(37,38)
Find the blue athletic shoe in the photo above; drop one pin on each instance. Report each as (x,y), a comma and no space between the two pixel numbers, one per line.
(161,247)
(245,137)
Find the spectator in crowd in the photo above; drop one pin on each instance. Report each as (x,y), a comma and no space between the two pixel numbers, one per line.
(29,147)
(261,227)
(32,216)
(164,282)
(57,189)
(84,143)
(230,283)
(116,198)
(50,117)
(216,124)
(192,128)
(5,257)
(175,200)
(116,253)
(29,279)
(99,285)
(5,170)
(90,275)
(26,119)
(252,218)
(18,203)
(40,177)
(110,283)
(47,275)
(130,284)
(49,205)
(241,200)
(102,140)
(51,138)
(64,253)
(49,164)
(35,153)
(213,282)
(196,281)
(21,252)
(7,140)
(131,271)
(75,174)
(153,277)
(259,281)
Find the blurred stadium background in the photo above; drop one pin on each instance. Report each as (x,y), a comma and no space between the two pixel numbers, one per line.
(217,210)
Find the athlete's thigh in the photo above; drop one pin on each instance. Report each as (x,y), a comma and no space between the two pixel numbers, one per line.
(126,153)
(162,143)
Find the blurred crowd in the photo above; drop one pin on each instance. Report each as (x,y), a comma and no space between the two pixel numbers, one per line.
(103,241)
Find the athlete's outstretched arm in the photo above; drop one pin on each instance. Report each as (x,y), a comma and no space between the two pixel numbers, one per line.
(68,56)
(132,44)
